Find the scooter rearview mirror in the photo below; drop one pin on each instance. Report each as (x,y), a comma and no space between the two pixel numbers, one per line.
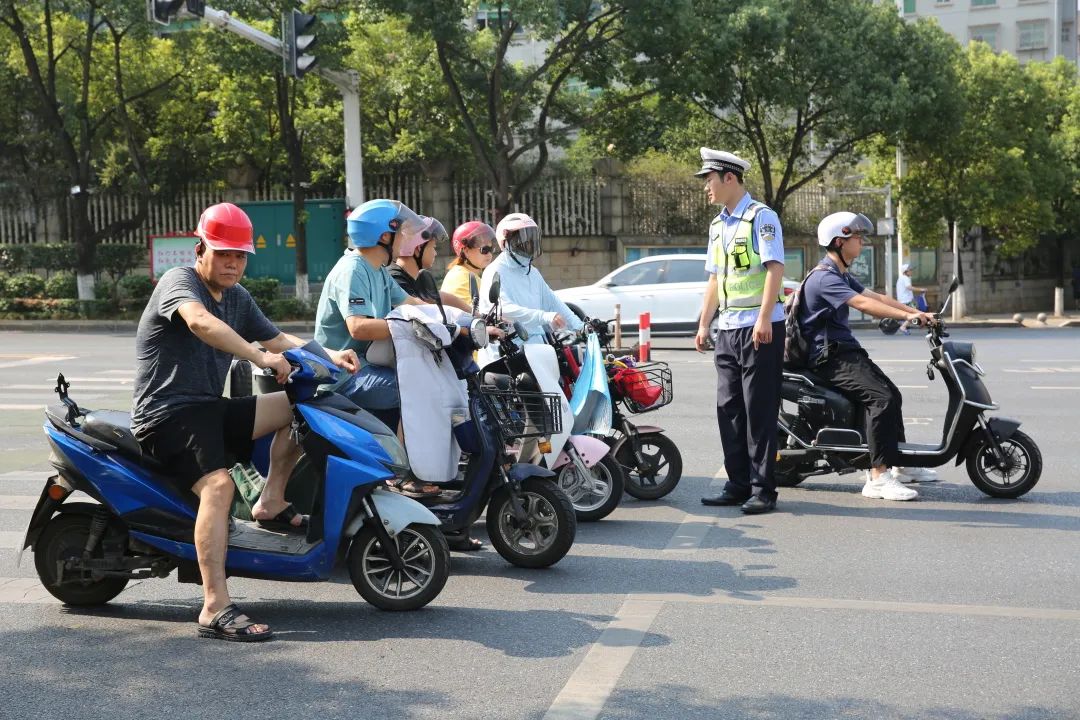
(495,290)
(520,331)
(425,283)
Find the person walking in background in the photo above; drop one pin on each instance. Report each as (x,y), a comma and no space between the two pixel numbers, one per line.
(905,292)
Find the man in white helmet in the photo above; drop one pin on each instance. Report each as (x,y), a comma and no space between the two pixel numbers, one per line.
(524,295)
(905,292)
(835,355)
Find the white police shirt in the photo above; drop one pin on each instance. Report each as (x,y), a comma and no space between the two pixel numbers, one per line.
(770,237)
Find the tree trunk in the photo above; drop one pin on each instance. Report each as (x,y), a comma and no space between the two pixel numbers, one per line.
(85,245)
(958,305)
(300,232)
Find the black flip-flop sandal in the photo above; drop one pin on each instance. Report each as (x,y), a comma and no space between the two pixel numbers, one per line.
(232,625)
(282,522)
(460,542)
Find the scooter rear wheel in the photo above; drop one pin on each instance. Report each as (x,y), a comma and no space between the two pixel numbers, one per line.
(660,473)
(427,566)
(64,538)
(549,530)
(1023,467)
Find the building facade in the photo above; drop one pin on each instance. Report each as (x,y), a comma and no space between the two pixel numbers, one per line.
(1028,29)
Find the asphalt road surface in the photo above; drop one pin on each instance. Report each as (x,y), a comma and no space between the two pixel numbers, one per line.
(955,606)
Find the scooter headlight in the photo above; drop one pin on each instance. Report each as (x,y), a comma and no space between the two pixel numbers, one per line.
(399,459)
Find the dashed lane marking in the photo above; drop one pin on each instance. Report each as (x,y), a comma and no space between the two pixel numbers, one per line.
(40,359)
(18,502)
(825,603)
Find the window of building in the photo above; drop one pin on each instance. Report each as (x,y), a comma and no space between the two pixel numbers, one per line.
(983,3)
(1031,35)
(1066,33)
(984,33)
(909,7)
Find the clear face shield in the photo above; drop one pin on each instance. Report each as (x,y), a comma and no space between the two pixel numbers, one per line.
(405,222)
(435,231)
(860,225)
(525,242)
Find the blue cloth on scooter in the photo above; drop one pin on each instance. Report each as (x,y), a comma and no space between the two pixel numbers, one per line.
(591,399)
(374,387)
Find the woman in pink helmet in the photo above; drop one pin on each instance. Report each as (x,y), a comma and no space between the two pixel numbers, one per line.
(474,249)
(417,252)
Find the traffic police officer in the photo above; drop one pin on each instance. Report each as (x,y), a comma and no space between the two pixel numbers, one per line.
(746,267)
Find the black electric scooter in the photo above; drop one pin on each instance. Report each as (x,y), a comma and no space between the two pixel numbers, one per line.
(827,432)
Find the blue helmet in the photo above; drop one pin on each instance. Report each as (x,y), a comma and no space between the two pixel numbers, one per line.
(370,220)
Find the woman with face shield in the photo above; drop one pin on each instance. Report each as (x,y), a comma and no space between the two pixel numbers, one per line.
(524,297)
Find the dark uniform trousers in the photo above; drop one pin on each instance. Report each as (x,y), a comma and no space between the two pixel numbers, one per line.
(747,404)
(851,371)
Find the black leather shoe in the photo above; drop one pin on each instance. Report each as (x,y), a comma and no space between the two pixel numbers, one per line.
(723,499)
(757,506)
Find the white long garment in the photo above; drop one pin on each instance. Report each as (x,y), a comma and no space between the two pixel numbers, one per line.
(431,393)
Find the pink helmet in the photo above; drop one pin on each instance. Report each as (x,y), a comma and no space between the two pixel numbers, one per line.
(469,234)
(519,233)
(226,227)
(430,229)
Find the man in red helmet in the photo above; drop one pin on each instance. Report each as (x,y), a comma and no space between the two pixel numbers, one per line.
(196,321)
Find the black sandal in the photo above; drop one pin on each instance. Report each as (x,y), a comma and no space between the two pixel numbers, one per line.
(233,625)
(461,542)
(282,522)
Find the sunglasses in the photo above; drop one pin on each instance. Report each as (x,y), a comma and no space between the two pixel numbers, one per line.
(486,249)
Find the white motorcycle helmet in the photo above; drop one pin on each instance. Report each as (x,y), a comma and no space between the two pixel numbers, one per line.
(843,225)
(519,233)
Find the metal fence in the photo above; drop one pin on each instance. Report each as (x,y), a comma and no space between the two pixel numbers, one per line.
(562,206)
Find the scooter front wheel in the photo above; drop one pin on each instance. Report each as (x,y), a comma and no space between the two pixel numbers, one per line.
(63,539)
(547,533)
(1023,467)
(426,561)
(658,474)
(596,496)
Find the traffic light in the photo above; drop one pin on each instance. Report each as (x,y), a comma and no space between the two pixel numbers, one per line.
(297,40)
(162,11)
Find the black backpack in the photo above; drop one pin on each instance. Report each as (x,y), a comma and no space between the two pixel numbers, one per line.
(797,347)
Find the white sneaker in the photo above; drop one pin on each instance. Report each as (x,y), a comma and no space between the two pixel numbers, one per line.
(887,487)
(908,475)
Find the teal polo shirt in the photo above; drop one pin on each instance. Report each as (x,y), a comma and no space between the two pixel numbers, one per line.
(353,287)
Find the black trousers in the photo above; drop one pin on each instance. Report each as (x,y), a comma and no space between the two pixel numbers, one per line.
(852,372)
(747,404)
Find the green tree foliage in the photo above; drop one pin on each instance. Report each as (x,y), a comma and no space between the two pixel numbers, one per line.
(995,167)
(797,85)
(513,109)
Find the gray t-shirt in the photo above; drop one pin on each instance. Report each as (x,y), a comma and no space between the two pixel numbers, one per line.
(173,366)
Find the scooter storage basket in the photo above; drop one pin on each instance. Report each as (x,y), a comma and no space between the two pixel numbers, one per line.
(644,387)
(523,414)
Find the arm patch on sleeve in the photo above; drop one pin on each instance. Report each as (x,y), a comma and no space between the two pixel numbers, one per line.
(767,231)
(357,301)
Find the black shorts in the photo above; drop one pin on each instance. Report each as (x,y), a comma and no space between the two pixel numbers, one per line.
(197,440)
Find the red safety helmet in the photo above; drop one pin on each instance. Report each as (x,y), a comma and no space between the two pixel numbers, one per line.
(226,227)
(468,234)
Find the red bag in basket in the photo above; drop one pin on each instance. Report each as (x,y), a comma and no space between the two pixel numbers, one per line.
(634,385)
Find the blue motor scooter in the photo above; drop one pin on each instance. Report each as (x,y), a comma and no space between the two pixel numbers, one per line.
(142,526)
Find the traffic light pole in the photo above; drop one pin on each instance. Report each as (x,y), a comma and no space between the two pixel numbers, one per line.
(347,84)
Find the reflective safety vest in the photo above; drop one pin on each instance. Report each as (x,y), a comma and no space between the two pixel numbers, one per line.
(743,282)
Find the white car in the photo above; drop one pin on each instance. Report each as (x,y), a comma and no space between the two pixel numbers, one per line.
(669,287)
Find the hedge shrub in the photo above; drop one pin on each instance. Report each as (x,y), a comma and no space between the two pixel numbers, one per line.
(25,285)
(263,290)
(61,286)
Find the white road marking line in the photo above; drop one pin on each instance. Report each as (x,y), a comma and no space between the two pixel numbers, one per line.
(1055,387)
(121,380)
(819,603)
(36,360)
(16,406)
(24,590)
(18,502)
(1044,370)
(9,540)
(39,475)
(913,387)
(897,360)
(585,694)
(694,527)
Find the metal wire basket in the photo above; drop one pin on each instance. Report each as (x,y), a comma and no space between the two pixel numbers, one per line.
(643,387)
(524,414)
